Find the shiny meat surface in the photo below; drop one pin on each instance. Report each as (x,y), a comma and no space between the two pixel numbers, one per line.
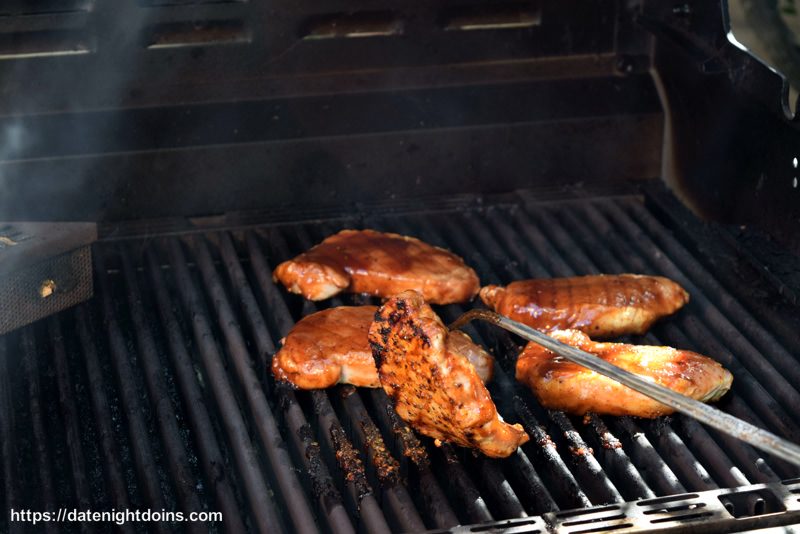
(436,391)
(380,264)
(601,306)
(327,348)
(562,385)
(331,347)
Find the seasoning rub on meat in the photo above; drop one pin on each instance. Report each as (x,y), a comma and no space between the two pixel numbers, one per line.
(562,385)
(331,347)
(380,264)
(438,392)
(601,306)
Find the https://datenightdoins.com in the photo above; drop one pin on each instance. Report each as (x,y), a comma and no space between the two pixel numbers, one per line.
(118,517)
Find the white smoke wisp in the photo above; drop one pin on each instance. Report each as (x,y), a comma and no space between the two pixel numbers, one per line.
(14,138)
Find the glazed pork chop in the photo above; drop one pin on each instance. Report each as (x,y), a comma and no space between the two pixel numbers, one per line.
(438,392)
(601,306)
(562,385)
(380,264)
(331,347)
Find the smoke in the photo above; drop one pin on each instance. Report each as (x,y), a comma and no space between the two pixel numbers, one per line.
(46,146)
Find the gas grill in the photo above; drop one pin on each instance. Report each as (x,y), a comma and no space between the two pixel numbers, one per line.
(530,138)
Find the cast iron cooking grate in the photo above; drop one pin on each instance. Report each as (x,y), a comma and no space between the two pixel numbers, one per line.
(155,394)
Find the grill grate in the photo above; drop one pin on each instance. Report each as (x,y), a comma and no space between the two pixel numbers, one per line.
(156,394)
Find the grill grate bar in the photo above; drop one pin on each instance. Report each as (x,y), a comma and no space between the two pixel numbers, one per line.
(31,363)
(261,505)
(8,438)
(102,415)
(213,464)
(609,263)
(714,321)
(414,459)
(292,492)
(379,461)
(606,443)
(653,468)
(584,466)
(560,476)
(588,471)
(428,232)
(395,497)
(703,336)
(383,468)
(499,490)
(330,500)
(557,243)
(695,433)
(69,413)
(216,345)
(463,488)
(166,417)
(366,505)
(142,447)
(368,508)
(642,452)
(743,321)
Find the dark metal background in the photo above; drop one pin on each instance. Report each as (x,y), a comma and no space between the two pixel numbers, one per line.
(243,111)
(156,393)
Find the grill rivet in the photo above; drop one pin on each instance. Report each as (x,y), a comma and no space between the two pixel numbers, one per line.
(47,288)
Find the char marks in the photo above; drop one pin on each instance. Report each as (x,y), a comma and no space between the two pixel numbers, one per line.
(435,388)
(601,306)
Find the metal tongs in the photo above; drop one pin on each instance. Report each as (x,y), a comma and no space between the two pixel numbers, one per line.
(755,436)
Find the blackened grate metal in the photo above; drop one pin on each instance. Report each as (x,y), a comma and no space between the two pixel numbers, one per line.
(156,394)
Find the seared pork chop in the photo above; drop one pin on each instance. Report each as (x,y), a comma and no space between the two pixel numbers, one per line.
(436,391)
(601,306)
(562,385)
(380,264)
(331,347)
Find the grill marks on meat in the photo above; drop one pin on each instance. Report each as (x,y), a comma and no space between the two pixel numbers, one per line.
(562,385)
(380,264)
(601,306)
(436,391)
(332,347)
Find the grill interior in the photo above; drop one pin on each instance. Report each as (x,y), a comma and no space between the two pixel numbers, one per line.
(156,393)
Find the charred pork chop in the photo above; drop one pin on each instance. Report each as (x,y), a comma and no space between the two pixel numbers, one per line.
(562,385)
(438,392)
(331,347)
(380,264)
(601,306)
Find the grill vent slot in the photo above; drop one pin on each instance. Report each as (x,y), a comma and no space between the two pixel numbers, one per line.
(44,44)
(516,526)
(665,500)
(492,17)
(687,517)
(24,7)
(673,509)
(352,25)
(159,3)
(203,33)
(752,503)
